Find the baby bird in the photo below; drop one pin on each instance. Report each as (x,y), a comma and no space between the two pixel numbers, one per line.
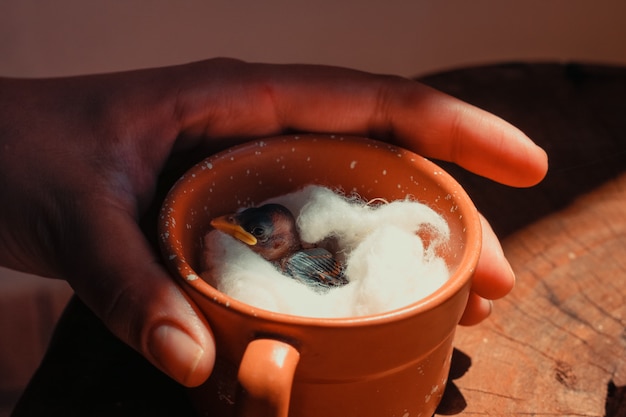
(270,231)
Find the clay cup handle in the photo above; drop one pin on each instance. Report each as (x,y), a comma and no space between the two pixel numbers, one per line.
(266,375)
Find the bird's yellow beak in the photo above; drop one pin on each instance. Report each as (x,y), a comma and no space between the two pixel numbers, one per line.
(227,225)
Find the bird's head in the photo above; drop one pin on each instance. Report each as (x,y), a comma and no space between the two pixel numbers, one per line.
(269,230)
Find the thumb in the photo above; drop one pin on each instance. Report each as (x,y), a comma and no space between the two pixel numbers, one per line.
(120,279)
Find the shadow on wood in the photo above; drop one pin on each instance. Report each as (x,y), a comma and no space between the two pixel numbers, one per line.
(615,400)
(453,401)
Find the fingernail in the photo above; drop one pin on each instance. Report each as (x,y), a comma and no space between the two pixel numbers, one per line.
(175,352)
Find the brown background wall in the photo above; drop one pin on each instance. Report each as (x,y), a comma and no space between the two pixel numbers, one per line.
(404,37)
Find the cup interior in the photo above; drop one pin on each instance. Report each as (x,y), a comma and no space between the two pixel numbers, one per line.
(248,174)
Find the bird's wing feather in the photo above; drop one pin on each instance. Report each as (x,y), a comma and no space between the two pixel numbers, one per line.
(316,267)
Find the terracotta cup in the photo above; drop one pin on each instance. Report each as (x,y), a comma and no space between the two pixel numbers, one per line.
(393,364)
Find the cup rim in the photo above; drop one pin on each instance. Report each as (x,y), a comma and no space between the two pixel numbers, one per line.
(187,277)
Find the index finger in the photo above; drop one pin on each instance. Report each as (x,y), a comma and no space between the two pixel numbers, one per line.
(260,99)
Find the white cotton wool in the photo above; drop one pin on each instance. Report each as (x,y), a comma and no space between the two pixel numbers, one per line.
(388,264)
(390,270)
(235,270)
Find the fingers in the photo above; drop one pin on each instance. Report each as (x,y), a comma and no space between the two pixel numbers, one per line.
(139,302)
(493,278)
(476,310)
(258,100)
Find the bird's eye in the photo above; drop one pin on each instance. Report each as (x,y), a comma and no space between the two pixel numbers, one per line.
(258,231)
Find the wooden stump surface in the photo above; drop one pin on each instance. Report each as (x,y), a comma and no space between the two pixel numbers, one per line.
(557,344)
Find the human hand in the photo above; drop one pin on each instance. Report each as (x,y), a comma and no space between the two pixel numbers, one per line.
(80,157)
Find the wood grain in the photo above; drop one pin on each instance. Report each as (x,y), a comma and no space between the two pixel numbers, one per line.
(557,342)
